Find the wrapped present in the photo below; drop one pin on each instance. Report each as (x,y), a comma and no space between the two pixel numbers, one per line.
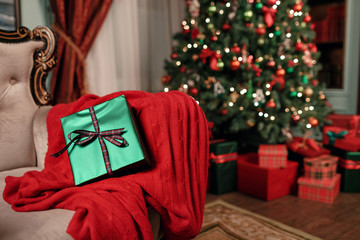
(265,183)
(350,175)
(300,148)
(341,138)
(273,156)
(321,167)
(346,121)
(355,156)
(103,140)
(325,190)
(223,166)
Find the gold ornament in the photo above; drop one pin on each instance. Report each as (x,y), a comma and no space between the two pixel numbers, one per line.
(308,92)
(250,122)
(234,96)
(195,57)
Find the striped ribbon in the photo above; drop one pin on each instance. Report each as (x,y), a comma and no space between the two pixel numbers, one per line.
(84,137)
(349,164)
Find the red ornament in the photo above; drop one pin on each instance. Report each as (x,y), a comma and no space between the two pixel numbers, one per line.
(226,27)
(194,33)
(165,79)
(312,47)
(298,46)
(291,63)
(271,2)
(313,121)
(194,91)
(315,82)
(271,103)
(307,18)
(295,118)
(214,38)
(236,49)
(280,72)
(174,55)
(183,69)
(297,7)
(224,112)
(312,26)
(234,64)
(271,63)
(260,31)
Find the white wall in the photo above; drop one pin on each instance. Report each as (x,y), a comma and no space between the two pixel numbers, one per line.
(32,13)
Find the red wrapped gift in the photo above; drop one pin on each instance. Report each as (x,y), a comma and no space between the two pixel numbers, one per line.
(265,183)
(307,147)
(325,190)
(346,121)
(272,156)
(321,167)
(341,138)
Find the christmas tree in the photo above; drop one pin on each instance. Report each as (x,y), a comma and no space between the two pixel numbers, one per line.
(251,65)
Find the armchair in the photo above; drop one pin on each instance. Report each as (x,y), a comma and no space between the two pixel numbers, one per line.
(26,58)
(169,198)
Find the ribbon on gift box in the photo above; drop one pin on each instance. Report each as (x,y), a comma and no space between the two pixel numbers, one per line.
(332,136)
(349,164)
(113,136)
(222,158)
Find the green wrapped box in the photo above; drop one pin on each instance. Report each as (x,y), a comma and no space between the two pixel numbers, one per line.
(349,168)
(350,175)
(223,167)
(106,141)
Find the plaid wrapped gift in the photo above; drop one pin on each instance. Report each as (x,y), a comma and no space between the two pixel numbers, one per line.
(325,190)
(321,167)
(273,156)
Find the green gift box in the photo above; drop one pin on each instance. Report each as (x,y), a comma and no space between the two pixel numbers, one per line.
(106,141)
(350,175)
(223,167)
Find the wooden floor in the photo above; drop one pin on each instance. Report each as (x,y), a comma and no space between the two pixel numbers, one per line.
(340,220)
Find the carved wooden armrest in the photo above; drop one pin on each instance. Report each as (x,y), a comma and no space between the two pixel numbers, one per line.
(44,58)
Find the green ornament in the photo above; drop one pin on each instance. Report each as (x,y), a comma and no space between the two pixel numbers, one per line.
(305,79)
(212,8)
(261,41)
(290,70)
(293,94)
(259,6)
(277,33)
(210,26)
(248,14)
(220,65)
(249,93)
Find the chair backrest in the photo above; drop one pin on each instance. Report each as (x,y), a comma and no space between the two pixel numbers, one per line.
(25,59)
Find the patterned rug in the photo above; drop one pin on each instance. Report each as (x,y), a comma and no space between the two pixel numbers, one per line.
(223,221)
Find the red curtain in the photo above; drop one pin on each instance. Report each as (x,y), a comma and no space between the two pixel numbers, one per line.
(77,24)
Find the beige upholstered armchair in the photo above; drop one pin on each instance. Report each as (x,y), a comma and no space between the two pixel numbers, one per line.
(26,57)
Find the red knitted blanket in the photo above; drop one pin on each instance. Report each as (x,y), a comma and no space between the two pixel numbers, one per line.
(175,132)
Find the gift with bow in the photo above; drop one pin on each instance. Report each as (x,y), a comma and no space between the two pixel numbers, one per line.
(102,140)
(341,138)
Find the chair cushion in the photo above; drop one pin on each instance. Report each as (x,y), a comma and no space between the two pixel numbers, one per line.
(17,107)
(49,224)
